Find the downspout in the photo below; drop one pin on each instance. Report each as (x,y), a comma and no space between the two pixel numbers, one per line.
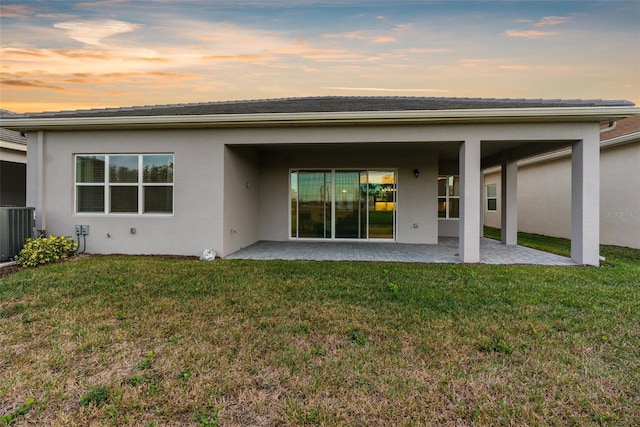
(612,126)
(41,189)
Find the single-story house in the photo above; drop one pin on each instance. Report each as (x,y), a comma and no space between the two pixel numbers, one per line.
(544,189)
(177,179)
(13,168)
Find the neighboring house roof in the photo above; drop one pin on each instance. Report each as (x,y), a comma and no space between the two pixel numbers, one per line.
(14,137)
(13,146)
(627,126)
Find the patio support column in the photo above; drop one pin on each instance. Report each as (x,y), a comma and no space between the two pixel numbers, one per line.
(470,201)
(585,201)
(509,200)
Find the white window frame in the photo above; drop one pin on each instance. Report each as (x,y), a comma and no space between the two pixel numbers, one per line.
(448,196)
(487,197)
(140,184)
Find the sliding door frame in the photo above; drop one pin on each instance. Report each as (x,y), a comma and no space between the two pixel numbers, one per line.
(333,171)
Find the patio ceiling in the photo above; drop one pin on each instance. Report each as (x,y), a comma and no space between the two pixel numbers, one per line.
(491,152)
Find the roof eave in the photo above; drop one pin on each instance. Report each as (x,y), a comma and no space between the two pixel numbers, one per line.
(498,115)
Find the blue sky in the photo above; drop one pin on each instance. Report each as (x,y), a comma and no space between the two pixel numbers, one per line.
(59,54)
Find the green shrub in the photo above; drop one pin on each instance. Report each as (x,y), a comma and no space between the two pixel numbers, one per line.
(43,250)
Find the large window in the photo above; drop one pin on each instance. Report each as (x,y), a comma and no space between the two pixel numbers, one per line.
(492,198)
(449,197)
(124,183)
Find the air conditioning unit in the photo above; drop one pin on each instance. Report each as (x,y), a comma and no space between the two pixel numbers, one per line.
(16,226)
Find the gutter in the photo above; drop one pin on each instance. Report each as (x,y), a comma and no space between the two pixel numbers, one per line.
(498,115)
(13,146)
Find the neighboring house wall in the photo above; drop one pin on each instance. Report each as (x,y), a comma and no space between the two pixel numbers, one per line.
(620,196)
(492,218)
(13,168)
(13,181)
(544,197)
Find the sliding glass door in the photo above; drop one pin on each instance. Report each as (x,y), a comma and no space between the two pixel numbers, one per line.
(311,204)
(382,204)
(350,205)
(343,204)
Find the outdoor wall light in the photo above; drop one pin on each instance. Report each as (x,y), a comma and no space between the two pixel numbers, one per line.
(416,172)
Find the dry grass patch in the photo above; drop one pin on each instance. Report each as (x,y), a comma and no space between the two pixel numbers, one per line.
(144,341)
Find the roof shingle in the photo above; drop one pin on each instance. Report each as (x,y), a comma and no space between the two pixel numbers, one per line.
(323,104)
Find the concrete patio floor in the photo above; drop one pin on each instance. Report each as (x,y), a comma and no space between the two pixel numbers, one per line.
(446,251)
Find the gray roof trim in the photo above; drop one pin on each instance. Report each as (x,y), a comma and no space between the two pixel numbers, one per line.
(498,115)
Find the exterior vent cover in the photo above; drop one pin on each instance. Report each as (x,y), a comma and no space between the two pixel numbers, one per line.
(16,226)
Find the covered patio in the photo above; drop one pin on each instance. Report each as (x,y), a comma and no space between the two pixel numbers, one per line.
(446,251)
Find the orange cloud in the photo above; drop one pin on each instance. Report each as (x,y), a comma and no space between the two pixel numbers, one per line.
(16,52)
(530,34)
(514,67)
(84,54)
(25,84)
(242,58)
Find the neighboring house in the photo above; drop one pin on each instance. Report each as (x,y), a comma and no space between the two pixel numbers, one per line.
(178,179)
(544,189)
(13,167)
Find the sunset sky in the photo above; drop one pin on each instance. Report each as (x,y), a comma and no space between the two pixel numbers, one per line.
(59,54)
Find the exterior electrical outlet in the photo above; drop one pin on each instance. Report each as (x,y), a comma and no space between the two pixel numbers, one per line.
(82,230)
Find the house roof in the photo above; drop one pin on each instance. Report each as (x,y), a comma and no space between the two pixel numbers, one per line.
(622,127)
(326,104)
(7,135)
(330,110)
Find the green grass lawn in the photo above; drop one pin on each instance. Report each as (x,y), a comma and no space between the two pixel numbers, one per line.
(145,341)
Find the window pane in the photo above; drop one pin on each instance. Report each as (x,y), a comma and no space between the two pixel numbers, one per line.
(123,169)
(491,190)
(91,198)
(442,208)
(454,186)
(294,204)
(491,204)
(124,199)
(89,168)
(442,186)
(158,168)
(158,199)
(454,208)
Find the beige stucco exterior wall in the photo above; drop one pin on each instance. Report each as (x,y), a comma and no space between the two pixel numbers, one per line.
(241,198)
(544,197)
(620,196)
(213,206)
(417,197)
(196,223)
